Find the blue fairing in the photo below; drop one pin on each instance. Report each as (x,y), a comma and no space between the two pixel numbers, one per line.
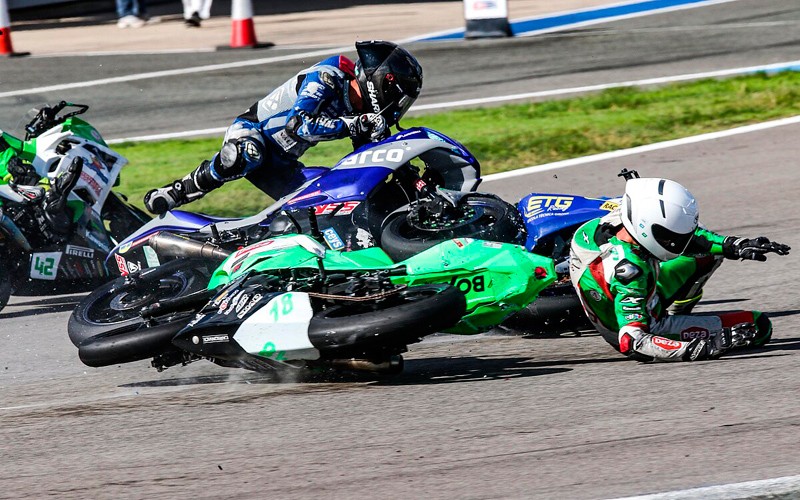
(341,185)
(547,213)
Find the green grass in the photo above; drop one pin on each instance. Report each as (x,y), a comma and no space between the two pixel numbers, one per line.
(509,137)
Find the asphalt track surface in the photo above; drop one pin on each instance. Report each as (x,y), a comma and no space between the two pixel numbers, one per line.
(491,416)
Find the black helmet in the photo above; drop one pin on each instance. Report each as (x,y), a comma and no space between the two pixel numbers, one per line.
(390,78)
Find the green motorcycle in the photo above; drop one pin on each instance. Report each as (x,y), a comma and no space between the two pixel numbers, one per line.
(288,302)
(58,226)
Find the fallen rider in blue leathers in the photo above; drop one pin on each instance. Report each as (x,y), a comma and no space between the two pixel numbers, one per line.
(333,99)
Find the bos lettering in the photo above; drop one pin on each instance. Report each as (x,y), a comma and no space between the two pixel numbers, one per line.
(466,285)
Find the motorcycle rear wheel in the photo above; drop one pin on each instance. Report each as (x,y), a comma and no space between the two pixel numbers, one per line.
(486,217)
(347,330)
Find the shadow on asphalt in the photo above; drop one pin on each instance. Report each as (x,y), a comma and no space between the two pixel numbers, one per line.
(47,305)
(471,369)
(417,372)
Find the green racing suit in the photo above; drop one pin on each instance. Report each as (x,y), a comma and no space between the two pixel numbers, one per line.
(626,294)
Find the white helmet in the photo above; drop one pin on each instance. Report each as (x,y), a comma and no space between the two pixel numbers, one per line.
(661,215)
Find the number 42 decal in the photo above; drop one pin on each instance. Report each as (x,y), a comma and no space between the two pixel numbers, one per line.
(44,265)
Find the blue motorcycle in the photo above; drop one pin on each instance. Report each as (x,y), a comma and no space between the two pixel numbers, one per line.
(409,191)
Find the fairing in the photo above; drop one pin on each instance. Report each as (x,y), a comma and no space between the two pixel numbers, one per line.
(547,213)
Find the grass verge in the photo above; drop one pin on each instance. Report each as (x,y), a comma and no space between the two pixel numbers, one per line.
(514,136)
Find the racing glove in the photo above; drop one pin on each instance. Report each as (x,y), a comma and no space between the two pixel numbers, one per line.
(752,248)
(22,174)
(370,125)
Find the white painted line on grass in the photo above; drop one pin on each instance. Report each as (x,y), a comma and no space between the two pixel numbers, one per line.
(782,66)
(641,149)
(777,486)
(171,135)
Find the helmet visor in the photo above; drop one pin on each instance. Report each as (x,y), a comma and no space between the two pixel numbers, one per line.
(403,105)
(673,242)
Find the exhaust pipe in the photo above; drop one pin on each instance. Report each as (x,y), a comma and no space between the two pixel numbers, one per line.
(180,246)
(390,366)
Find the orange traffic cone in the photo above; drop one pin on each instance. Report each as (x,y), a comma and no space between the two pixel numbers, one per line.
(243,33)
(5,32)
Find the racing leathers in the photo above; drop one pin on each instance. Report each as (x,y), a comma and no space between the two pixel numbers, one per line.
(625,293)
(264,143)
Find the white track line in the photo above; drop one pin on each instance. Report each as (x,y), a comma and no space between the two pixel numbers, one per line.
(790,65)
(641,149)
(777,486)
(174,72)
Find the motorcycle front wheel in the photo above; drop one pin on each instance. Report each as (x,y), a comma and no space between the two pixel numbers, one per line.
(115,307)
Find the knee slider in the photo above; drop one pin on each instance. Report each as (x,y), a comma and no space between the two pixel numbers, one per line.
(238,157)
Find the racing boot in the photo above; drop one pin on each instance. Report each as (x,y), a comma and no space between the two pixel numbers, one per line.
(181,191)
(55,201)
(702,349)
(753,333)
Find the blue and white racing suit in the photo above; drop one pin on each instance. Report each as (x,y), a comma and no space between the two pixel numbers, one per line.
(279,128)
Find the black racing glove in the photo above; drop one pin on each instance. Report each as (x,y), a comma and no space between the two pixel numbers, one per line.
(370,125)
(22,174)
(752,248)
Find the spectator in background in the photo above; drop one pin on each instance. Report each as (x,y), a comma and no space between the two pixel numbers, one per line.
(196,10)
(133,14)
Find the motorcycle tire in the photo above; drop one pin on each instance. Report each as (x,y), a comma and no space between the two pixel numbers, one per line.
(5,282)
(412,314)
(554,313)
(496,221)
(114,307)
(125,346)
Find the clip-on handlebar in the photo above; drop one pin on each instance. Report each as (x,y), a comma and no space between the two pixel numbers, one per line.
(47,118)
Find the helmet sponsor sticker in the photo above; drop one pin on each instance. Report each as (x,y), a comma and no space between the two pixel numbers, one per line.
(373,97)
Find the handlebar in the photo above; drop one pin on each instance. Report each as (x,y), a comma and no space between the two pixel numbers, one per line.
(48,117)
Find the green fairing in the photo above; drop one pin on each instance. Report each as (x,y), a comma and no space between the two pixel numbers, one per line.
(83,129)
(16,147)
(498,279)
